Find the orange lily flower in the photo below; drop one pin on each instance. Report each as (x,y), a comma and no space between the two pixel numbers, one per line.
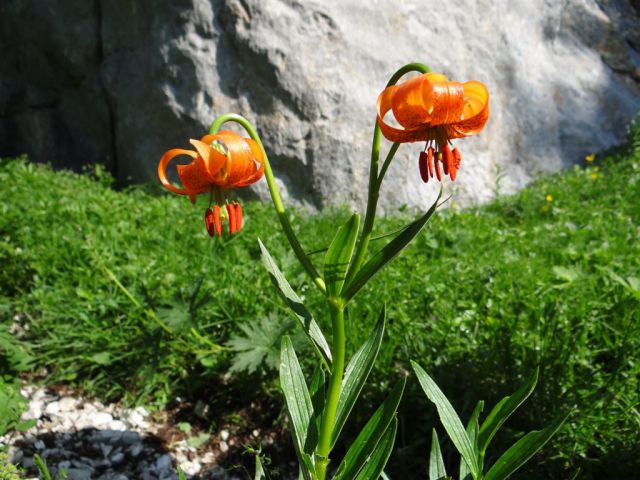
(432,109)
(220,163)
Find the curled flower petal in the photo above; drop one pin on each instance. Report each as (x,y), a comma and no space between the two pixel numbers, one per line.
(162,170)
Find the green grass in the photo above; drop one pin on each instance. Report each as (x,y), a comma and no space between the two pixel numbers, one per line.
(125,295)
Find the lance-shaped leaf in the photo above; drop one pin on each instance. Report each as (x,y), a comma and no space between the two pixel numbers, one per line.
(522,451)
(294,302)
(472,432)
(449,418)
(436,463)
(503,410)
(387,253)
(317,393)
(365,443)
(356,375)
(296,395)
(374,466)
(338,257)
(260,474)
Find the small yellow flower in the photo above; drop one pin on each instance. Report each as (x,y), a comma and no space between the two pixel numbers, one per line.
(590,158)
(594,175)
(549,198)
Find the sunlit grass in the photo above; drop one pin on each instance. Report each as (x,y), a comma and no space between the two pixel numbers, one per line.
(124,294)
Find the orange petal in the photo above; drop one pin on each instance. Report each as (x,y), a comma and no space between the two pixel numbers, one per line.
(240,164)
(195,176)
(408,102)
(212,158)
(162,170)
(394,134)
(258,159)
(448,102)
(475,113)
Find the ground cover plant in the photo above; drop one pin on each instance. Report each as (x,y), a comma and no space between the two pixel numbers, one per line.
(565,296)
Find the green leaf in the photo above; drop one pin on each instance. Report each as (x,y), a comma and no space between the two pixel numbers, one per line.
(387,253)
(356,375)
(436,463)
(503,410)
(449,418)
(365,443)
(294,302)
(522,451)
(568,274)
(181,474)
(260,475)
(472,432)
(338,257)
(42,467)
(257,344)
(374,466)
(317,393)
(198,440)
(296,395)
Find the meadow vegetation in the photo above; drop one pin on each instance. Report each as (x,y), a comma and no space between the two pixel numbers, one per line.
(122,294)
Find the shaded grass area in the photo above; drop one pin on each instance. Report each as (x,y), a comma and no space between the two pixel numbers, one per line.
(124,294)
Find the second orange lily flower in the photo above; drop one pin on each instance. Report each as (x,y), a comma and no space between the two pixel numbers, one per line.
(432,109)
(221,162)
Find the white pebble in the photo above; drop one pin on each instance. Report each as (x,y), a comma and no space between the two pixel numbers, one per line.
(52,409)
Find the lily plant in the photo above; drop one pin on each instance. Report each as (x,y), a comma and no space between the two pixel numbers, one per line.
(426,108)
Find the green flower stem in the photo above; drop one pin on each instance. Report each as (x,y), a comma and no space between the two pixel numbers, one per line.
(336,307)
(275,195)
(375,180)
(387,162)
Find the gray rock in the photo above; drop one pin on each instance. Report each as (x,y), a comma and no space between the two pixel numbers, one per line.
(79,473)
(163,463)
(120,82)
(117,458)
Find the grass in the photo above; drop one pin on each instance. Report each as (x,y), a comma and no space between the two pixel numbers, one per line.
(123,294)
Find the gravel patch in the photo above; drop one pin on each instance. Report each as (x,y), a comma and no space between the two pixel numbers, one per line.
(105,442)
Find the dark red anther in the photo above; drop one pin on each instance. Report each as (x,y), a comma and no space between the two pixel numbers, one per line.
(208,222)
(455,165)
(423,166)
(217,222)
(438,173)
(231,211)
(447,159)
(238,217)
(457,158)
(430,152)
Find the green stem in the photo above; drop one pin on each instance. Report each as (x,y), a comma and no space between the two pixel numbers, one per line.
(375,180)
(336,308)
(275,195)
(387,162)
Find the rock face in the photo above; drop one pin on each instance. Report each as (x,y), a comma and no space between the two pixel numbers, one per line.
(121,81)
